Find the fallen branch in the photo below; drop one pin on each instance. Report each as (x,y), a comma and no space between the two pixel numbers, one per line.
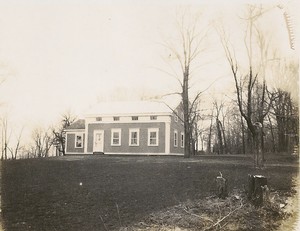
(103,222)
(118,214)
(223,218)
(195,215)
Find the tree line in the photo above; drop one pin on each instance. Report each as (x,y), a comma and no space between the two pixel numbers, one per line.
(260,118)
(44,142)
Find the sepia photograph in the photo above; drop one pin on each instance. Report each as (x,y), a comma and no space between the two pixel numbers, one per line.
(150,115)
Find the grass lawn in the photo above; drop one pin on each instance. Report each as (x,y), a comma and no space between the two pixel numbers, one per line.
(107,192)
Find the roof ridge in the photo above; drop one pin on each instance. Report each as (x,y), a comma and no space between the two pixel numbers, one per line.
(129,107)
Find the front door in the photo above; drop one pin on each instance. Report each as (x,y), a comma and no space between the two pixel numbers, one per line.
(98,141)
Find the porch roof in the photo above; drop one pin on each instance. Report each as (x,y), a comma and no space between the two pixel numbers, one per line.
(78,124)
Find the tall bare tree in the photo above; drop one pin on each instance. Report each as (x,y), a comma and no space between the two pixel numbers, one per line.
(191,46)
(250,85)
(6,135)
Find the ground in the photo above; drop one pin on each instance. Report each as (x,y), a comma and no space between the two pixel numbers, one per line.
(140,193)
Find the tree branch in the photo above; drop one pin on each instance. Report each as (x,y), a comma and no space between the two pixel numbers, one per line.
(223,218)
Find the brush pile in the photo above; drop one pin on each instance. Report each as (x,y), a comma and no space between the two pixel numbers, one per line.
(235,212)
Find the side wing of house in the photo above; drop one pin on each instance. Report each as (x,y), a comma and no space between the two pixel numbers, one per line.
(177,131)
(75,138)
(75,142)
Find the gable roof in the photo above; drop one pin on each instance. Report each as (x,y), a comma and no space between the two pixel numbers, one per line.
(78,124)
(129,108)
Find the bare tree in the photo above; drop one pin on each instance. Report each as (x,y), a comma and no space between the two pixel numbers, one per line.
(250,86)
(286,117)
(233,136)
(219,126)
(5,138)
(30,151)
(42,142)
(59,138)
(190,48)
(195,117)
(15,150)
(209,137)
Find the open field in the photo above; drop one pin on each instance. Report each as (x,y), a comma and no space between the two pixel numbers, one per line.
(107,192)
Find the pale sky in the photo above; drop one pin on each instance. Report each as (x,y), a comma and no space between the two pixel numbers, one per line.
(65,55)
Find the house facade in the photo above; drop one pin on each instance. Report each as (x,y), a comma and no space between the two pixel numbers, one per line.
(142,128)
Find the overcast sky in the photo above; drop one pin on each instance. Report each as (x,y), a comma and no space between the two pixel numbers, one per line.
(65,55)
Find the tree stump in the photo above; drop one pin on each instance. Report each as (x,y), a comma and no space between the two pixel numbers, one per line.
(257,188)
(222,186)
(266,194)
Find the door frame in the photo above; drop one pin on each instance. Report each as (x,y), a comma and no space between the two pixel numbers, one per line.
(94,136)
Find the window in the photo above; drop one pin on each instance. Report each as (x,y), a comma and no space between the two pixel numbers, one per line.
(134,118)
(153,136)
(98,118)
(134,137)
(182,139)
(153,117)
(175,116)
(116,137)
(175,138)
(78,140)
(116,118)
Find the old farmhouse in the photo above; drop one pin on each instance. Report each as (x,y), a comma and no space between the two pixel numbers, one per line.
(142,128)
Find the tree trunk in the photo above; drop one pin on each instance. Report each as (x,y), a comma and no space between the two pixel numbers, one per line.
(196,140)
(243,135)
(257,189)
(220,142)
(209,136)
(222,186)
(272,135)
(185,102)
(225,150)
(262,144)
(258,145)
(5,150)
(256,148)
